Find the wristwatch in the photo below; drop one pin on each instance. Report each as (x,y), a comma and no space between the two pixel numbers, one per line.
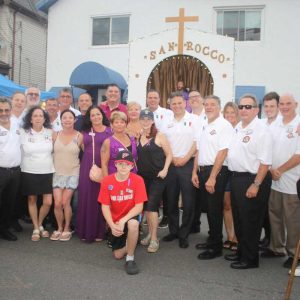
(256,183)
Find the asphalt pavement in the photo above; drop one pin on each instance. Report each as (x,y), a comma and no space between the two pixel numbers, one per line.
(76,270)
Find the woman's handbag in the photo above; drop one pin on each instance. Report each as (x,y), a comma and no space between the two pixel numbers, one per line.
(95,174)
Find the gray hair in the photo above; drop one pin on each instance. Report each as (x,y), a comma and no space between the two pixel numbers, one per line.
(5,100)
(214,97)
(251,96)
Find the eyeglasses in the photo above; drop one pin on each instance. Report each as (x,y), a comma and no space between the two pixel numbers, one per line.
(65,96)
(33,94)
(7,110)
(247,106)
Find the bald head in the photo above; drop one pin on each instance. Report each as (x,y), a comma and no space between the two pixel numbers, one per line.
(288,106)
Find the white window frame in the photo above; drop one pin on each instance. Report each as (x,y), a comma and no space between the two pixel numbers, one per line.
(110,16)
(260,8)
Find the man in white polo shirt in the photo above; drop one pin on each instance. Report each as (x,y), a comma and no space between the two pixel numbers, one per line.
(212,146)
(196,104)
(52,109)
(33,97)
(272,117)
(271,109)
(10,160)
(161,117)
(249,159)
(284,205)
(65,100)
(181,133)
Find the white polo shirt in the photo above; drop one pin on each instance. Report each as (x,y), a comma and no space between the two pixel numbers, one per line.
(37,151)
(75,111)
(250,147)
(10,142)
(286,144)
(18,120)
(274,123)
(182,134)
(161,117)
(56,124)
(215,136)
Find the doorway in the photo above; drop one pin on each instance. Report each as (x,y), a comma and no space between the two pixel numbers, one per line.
(193,72)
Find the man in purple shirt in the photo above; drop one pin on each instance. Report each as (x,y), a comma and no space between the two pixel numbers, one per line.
(113,101)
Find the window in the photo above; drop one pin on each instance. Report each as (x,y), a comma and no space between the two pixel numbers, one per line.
(242,25)
(110,30)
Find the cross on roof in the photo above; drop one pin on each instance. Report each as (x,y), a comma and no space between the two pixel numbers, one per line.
(181,19)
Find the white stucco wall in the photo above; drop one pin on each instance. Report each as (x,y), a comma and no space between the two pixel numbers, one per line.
(272,62)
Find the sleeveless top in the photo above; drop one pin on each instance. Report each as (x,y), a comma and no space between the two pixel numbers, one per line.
(115,147)
(66,157)
(151,159)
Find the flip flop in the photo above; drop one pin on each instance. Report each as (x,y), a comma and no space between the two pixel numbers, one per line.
(65,236)
(35,237)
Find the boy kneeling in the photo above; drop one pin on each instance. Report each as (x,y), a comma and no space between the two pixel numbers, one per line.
(122,195)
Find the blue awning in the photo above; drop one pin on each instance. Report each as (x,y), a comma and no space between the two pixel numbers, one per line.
(44,5)
(91,73)
(8,88)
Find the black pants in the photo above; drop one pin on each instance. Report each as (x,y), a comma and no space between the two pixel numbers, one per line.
(198,209)
(248,214)
(215,205)
(9,186)
(266,224)
(180,180)
(155,188)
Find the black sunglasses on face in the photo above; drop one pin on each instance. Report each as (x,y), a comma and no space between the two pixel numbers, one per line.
(247,106)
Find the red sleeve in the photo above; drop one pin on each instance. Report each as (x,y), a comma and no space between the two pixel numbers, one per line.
(140,190)
(104,197)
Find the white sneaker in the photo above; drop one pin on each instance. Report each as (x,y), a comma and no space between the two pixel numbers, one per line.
(297,271)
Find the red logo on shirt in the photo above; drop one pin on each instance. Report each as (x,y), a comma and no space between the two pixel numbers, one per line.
(246,139)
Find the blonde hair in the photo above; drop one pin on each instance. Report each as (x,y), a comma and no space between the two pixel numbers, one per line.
(118,115)
(133,103)
(231,105)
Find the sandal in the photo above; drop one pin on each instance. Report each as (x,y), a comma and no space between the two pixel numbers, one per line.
(146,240)
(55,236)
(44,233)
(35,237)
(65,236)
(233,246)
(227,244)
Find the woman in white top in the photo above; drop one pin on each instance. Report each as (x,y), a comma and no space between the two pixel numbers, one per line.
(67,144)
(37,166)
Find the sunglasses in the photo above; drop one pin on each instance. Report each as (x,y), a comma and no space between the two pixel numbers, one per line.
(247,106)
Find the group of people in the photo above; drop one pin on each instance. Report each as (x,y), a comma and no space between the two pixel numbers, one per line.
(228,163)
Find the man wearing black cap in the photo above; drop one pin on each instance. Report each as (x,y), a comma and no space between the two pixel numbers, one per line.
(122,195)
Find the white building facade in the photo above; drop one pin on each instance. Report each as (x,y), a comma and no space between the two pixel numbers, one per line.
(247,46)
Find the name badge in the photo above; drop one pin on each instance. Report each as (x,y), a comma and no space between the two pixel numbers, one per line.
(3,133)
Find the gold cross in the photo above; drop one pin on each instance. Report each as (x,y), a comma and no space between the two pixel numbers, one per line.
(181,20)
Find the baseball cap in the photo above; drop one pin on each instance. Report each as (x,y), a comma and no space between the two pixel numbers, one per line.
(124,156)
(146,113)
